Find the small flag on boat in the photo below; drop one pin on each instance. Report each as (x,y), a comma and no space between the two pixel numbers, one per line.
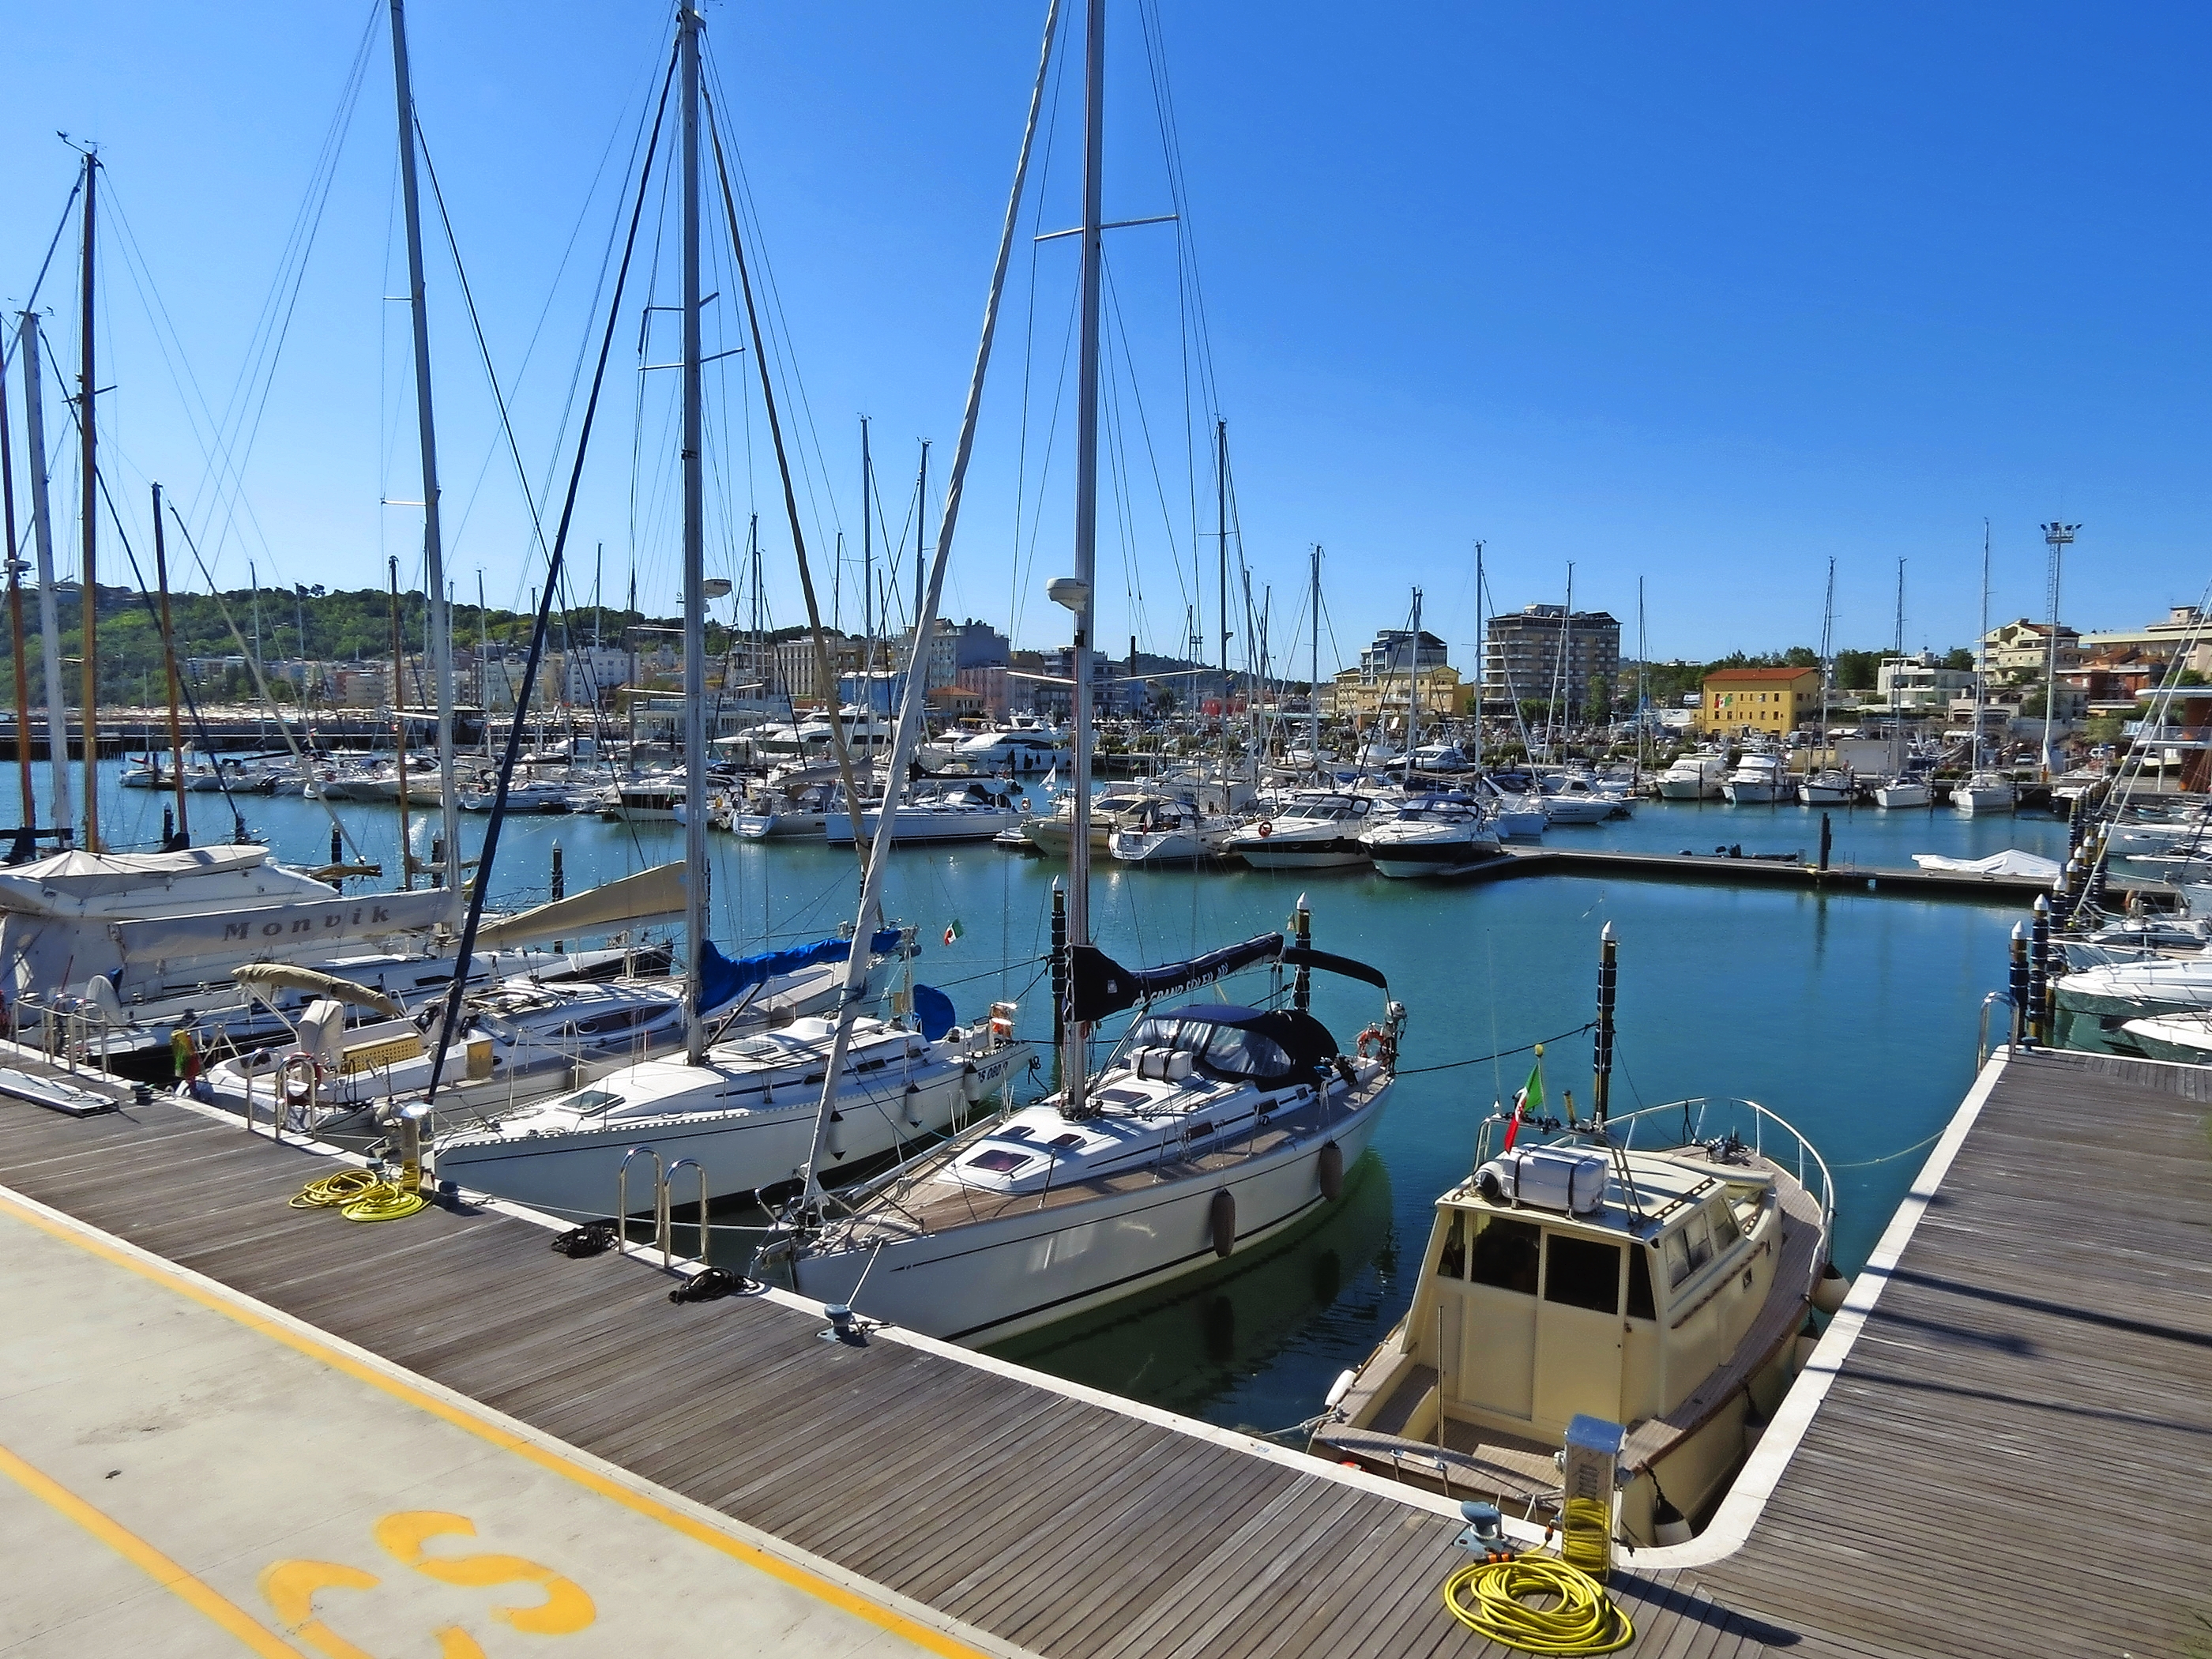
(1051,780)
(954,932)
(1529,1102)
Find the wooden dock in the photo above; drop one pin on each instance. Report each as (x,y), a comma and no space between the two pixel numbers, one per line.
(2010,1457)
(1789,875)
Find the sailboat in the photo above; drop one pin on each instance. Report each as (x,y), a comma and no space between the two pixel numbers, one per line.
(1833,785)
(1900,789)
(1985,790)
(743,1111)
(1209,1127)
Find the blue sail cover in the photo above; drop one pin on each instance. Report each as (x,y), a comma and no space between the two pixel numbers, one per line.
(723,981)
(932,1012)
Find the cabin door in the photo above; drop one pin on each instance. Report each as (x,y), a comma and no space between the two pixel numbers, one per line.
(1579,1328)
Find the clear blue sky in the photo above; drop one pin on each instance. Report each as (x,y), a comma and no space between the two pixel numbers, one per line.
(1703,294)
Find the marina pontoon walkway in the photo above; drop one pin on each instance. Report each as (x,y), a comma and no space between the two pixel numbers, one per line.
(2010,1458)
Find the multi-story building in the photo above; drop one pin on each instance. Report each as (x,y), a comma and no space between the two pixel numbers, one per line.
(1920,684)
(1389,697)
(799,666)
(941,661)
(1773,701)
(1397,650)
(2021,651)
(2187,632)
(1543,653)
(592,674)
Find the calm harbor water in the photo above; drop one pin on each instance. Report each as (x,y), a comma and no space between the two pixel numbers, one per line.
(1851,1015)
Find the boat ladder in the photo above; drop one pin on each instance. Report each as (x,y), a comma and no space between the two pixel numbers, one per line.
(663,1179)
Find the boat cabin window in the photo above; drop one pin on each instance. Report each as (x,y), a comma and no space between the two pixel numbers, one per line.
(998,1160)
(1640,1304)
(1581,1273)
(593,1102)
(1689,1247)
(1505,1255)
(1726,1228)
(1451,1261)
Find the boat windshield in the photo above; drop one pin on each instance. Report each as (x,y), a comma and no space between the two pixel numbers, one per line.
(593,1103)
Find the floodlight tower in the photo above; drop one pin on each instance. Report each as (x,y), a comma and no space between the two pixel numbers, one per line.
(2055,536)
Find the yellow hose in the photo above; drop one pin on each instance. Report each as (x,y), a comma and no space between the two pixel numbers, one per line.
(1581,1619)
(358,1196)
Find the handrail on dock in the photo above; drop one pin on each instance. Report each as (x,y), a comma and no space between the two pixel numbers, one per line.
(660,1202)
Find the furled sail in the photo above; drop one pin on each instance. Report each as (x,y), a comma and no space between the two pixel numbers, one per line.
(722,980)
(264,978)
(649,896)
(278,929)
(1100,986)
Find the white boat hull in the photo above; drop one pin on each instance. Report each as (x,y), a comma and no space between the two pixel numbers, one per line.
(1012,1273)
(1971,801)
(1896,795)
(1752,794)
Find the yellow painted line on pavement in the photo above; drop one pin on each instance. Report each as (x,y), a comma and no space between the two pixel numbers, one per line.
(172,1576)
(236,1307)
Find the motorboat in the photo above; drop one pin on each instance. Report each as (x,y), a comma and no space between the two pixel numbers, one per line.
(1308,832)
(1439,837)
(2095,1002)
(1985,791)
(1831,786)
(657,798)
(1696,776)
(1662,1288)
(1175,832)
(1892,793)
(745,1115)
(1115,806)
(1573,797)
(523,795)
(786,813)
(970,812)
(1026,743)
(1761,778)
(2186,1038)
(1211,1129)
(1513,816)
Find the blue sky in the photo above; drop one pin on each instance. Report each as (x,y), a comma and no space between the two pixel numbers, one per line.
(1704,295)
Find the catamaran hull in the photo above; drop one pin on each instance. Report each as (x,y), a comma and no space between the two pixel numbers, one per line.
(572,1174)
(993,1279)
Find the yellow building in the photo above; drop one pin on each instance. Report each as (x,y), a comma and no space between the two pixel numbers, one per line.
(1774,701)
(1351,697)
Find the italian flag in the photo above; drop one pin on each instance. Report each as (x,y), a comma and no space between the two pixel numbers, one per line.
(1529,1102)
(954,932)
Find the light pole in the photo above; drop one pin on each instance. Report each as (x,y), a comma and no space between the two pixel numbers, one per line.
(2056,536)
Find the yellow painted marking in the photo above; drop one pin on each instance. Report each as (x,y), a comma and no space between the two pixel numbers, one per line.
(828,1591)
(566,1609)
(289,1587)
(193,1592)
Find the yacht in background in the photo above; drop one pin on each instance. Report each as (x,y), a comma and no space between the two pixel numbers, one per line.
(1436,837)
(1696,776)
(1308,832)
(1761,779)
(1984,792)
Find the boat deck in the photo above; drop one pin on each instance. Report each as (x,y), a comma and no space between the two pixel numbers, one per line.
(2010,1456)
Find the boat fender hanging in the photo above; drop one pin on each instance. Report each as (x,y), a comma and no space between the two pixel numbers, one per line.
(834,1138)
(1222,1218)
(1329,1166)
(914,1105)
(1833,1286)
(972,1085)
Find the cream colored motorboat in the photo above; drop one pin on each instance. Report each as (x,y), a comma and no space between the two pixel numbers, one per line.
(1663,1289)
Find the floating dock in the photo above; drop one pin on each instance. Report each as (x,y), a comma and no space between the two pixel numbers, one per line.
(274,1429)
(1789,874)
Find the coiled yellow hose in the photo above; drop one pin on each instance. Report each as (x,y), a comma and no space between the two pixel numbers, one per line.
(1490,1598)
(358,1196)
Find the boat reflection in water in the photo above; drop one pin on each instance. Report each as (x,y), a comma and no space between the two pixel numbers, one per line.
(1254,1337)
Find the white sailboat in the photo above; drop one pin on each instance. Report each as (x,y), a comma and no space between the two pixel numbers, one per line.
(1985,789)
(1209,1128)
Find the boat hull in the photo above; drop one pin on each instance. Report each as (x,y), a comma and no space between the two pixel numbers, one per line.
(1894,796)
(997,1278)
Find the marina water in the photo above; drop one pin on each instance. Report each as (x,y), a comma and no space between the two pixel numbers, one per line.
(1851,1014)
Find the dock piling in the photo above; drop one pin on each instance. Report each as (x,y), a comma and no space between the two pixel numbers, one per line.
(2021,1037)
(1059,961)
(2039,962)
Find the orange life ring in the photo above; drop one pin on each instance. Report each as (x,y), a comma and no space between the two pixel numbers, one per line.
(1372,1042)
(1267,827)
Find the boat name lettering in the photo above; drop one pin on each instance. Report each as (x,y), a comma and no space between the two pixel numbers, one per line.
(373,914)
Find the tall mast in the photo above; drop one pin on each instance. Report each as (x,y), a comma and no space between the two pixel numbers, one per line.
(439,622)
(1078,1038)
(1896,664)
(169,665)
(694,560)
(49,626)
(1313,691)
(88,592)
(1481,658)
(867,570)
(399,729)
(16,614)
(921,513)
(1827,644)
(2056,536)
(1221,537)
(1413,686)
(1643,661)
(1981,652)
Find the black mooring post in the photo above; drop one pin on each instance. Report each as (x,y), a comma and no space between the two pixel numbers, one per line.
(1302,935)
(1827,841)
(560,876)
(1059,963)
(2021,1036)
(338,845)
(1602,1042)
(2038,937)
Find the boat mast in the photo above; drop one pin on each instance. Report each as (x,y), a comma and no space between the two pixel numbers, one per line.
(1481,660)
(2057,536)
(1075,1057)
(1313,691)
(1827,640)
(695,556)
(1643,697)
(1896,666)
(867,576)
(921,555)
(1414,688)
(16,614)
(439,622)
(89,574)
(169,667)
(49,626)
(1221,535)
(1981,656)
(399,732)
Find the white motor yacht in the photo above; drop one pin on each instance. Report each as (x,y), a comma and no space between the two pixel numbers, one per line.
(1761,779)
(746,1115)
(1308,832)
(2185,1038)
(657,798)
(1175,832)
(791,812)
(969,811)
(1115,806)
(1695,776)
(1514,817)
(2096,1002)
(1663,1289)
(1831,787)
(1211,1129)
(1027,743)
(1573,797)
(1892,793)
(1432,838)
(1985,791)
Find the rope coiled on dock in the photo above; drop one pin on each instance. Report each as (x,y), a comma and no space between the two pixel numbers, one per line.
(358,1196)
(1491,1599)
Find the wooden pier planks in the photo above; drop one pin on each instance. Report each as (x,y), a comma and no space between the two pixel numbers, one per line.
(2012,1459)
(1069,1527)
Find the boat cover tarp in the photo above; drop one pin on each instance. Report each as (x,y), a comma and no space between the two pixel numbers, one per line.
(265,978)
(932,1010)
(2010,862)
(648,896)
(286,928)
(1304,956)
(50,886)
(1099,986)
(723,980)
